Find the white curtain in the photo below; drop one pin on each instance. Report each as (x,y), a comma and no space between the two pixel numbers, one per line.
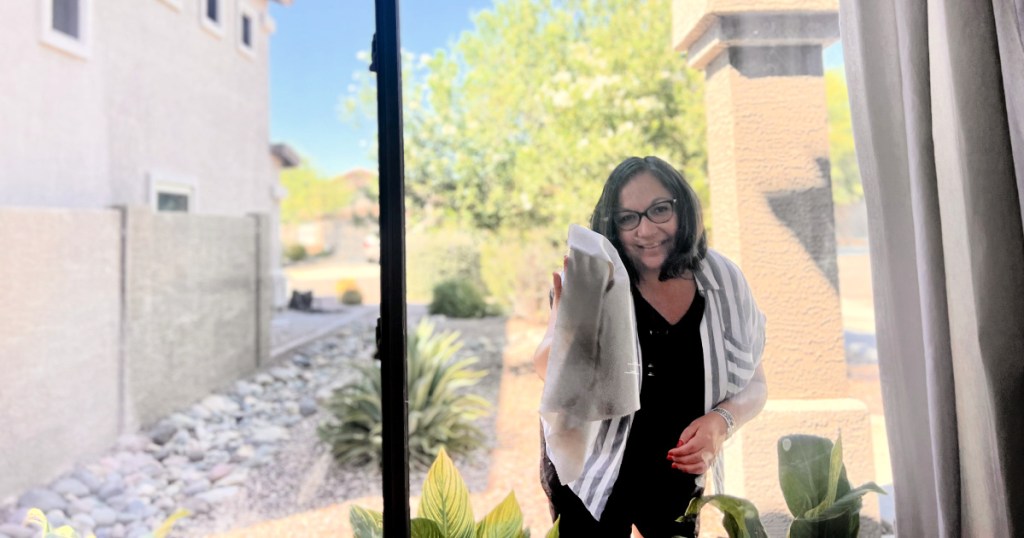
(937,95)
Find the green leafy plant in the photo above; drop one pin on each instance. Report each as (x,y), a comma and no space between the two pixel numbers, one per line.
(295,252)
(458,299)
(445,512)
(813,480)
(36,517)
(441,413)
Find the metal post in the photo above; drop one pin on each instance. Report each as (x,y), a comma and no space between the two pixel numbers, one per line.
(387,62)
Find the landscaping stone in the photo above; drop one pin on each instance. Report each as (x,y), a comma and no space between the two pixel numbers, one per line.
(71,486)
(43,499)
(249,446)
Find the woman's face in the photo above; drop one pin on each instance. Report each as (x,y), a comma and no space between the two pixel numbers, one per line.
(648,245)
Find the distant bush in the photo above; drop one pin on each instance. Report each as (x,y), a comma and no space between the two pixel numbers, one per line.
(352,297)
(434,256)
(348,292)
(458,299)
(440,415)
(295,252)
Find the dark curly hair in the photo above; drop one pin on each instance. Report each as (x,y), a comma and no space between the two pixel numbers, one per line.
(691,244)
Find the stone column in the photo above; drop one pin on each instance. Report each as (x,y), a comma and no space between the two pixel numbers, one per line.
(771,205)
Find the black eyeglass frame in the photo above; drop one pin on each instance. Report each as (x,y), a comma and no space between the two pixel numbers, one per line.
(641,214)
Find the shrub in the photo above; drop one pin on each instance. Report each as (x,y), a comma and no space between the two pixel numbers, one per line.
(445,511)
(295,252)
(813,480)
(352,297)
(437,255)
(441,414)
(458,299)
(348,292)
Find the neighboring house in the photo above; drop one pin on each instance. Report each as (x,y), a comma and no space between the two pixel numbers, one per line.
(162,103)
(138,217)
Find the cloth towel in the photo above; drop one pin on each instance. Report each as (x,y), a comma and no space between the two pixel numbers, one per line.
(593,371)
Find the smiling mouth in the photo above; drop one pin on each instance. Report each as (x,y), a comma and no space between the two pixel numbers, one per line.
(652,247)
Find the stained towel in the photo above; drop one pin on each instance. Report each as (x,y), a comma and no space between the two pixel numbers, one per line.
(593,372)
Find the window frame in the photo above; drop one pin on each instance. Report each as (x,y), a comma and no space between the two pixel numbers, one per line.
(215,27)
(80,47)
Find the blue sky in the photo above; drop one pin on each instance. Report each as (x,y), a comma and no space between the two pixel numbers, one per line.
(313,58)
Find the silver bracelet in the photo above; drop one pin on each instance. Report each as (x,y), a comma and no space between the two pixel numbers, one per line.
(730,422)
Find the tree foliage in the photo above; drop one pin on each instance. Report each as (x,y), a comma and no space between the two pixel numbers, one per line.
(312,196)
(518,123)
(846,184)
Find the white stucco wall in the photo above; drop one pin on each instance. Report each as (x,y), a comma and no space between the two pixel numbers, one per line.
(158,94)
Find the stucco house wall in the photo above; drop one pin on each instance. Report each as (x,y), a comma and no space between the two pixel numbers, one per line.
(158,96)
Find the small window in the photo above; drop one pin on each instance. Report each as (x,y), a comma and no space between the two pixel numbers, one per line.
(65,25)
(213,11)
(67,18)
(172,201)
(172,192)
(211,15)
(246,29)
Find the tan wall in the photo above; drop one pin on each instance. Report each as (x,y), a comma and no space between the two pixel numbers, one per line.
(191,298)
(59,340)
(751,165)
(196,297)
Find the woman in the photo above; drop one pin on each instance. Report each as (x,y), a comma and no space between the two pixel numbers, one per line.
(701,339)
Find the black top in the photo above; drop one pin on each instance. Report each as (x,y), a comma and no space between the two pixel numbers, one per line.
(671,397)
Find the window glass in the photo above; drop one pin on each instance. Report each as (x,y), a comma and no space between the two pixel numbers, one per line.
(66,17)
(247,30)
(212,12)
(170,201)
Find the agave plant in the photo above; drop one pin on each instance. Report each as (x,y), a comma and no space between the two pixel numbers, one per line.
(813,480)
(36,517)
(445,512)
(441,413)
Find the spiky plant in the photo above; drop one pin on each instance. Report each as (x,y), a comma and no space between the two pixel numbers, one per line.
(441,412)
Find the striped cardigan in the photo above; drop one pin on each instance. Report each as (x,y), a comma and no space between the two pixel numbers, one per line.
(732,335)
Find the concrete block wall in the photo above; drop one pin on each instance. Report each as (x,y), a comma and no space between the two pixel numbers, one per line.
(111,319)
(60,304)
(191,308)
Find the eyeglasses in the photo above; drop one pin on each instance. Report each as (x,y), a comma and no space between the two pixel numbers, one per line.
(658,213)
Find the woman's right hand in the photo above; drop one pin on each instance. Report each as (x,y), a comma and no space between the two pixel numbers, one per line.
(540,357)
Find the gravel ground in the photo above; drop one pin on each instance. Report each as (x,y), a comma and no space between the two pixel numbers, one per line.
(302,477)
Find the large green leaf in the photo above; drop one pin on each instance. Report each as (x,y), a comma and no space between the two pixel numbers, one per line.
(804,472)
(739,516)
(553,533)
(835,467)
(445,499)
(366,523)
(838,525)
(852,499)
(503,521)
(422,527)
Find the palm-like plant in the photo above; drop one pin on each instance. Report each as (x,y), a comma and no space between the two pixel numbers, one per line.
(441,413)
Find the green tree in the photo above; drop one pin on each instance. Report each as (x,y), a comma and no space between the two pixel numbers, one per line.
(311,196)
(519,122)
(846,184)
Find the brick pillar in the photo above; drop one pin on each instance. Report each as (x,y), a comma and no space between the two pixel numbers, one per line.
(771,201)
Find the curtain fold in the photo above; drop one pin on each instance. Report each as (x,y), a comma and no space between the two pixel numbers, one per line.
(937,121)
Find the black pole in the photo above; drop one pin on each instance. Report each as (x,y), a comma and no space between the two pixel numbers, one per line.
(387,62)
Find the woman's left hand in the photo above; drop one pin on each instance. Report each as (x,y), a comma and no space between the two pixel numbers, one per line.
(699,444)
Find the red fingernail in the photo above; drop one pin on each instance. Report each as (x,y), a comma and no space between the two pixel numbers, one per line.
(679,444)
